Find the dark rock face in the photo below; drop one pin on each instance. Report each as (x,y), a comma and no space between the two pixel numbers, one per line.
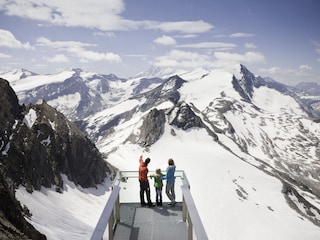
(37,145)
(12,222)
(167,90)
(44,145)
(152,127)
(9,107)
(183,117)
(245,85)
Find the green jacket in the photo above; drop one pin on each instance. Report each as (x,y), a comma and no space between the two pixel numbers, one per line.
(157,179)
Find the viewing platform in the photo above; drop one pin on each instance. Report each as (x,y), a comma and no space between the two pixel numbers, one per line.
(123,218)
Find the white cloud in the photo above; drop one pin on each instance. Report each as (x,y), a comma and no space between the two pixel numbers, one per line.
(103,15)
(186,36)
(305,67)
(227,59)
(78,49)
(220,45)
(250,45)
(184,26)
(165,40)
(62,45)
(248,57)
(286,74)
(191,60)
(271,70)
(99,14)
(59,58)
(182,59)
(104,34)
(241,35)
(2,55)
(299,71)
(87,56)
(7,39)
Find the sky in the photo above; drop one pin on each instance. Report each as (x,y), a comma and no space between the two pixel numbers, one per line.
(278,39)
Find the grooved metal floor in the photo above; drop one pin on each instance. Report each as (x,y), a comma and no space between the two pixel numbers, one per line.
(156,223)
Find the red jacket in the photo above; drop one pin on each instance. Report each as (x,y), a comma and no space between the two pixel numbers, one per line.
(143,171)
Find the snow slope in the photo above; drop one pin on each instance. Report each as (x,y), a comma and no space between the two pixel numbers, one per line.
(70,215)
(235,199)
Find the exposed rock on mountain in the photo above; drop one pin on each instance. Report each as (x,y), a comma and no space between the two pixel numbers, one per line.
(152,127)
(168,90)
(183,117)
(38,144)
(12,222)
(309,95)
(245,85)
(255,124)
(306,94)
(59,146)
(311,88)
(273,135)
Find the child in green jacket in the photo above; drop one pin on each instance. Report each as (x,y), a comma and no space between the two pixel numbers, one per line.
(158,184)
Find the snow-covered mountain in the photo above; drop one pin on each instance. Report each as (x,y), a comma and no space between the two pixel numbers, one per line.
(309,93)
(37,145)
(248,145)
(75,92)
(78,93)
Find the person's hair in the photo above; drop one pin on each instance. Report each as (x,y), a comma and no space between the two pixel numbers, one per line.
(170,161)
(147,161)
(158,171)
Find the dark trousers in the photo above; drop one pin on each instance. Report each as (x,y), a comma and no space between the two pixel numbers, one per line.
(145,188)
(159,196)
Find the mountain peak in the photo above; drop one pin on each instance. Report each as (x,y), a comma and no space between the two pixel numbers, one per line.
(160,72)
(10,73)
(246,82)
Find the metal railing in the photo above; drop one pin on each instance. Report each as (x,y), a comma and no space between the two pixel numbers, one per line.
(111,213)
(110,216)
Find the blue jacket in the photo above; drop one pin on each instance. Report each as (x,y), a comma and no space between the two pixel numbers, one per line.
(170,174)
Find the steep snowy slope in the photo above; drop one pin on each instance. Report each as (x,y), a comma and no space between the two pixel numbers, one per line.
(250,152)
(268,130)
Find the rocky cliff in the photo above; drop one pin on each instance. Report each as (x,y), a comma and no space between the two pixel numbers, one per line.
(37,145)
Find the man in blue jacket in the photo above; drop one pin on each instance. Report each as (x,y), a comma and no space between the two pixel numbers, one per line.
(170,182)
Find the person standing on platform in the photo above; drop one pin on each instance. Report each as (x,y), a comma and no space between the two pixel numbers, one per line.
(158,176)
(144,182)
(171,169)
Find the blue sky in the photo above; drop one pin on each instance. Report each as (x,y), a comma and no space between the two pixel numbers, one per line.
(275,38)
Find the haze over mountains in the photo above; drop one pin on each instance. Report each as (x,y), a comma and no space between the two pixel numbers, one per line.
(249,145)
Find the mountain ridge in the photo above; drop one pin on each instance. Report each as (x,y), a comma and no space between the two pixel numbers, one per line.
(210,121)
(93,91)
(38,144)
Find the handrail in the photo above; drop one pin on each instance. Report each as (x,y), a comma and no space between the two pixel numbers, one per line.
(111,212)
(191,214)
(107,216)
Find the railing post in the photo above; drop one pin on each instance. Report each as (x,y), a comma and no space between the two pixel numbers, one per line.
(194,222)
(184,209)
(117,210)
(110,224)
(107,217)
(190,229)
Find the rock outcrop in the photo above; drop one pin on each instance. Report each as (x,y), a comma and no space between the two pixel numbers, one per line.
(37,145)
